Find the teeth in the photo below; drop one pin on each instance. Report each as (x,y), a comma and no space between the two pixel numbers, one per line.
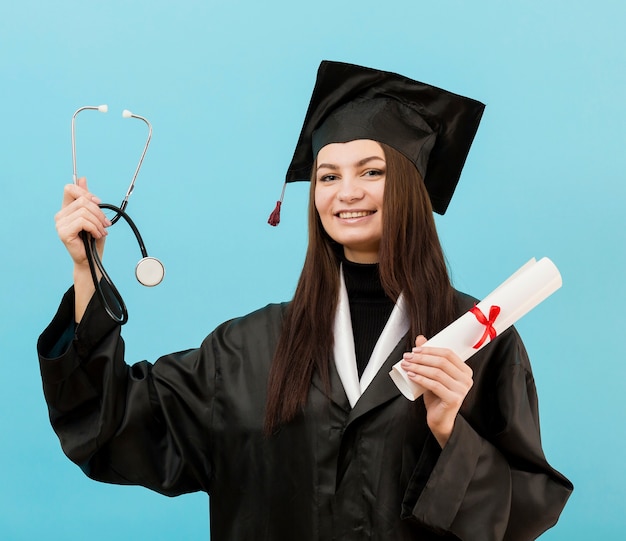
(354,214)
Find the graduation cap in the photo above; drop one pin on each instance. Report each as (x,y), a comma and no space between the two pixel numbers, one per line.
(432,127)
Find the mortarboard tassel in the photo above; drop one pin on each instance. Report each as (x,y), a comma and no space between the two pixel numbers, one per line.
(274,218)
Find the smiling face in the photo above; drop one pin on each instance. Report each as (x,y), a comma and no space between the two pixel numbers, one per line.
(349,189)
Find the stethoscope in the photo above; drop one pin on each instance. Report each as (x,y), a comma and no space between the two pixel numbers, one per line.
(149,271)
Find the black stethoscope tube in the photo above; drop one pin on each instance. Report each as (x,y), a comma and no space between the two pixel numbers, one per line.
(95,265)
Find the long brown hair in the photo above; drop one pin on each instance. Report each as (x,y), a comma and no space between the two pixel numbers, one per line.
(411,262)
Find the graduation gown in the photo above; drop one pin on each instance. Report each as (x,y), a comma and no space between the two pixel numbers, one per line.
(193,421)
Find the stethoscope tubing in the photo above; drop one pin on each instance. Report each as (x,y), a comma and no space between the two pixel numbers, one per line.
(95,265)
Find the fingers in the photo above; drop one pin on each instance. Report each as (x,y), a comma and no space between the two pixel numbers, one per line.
(439,370)
(80,209)
(438,352)
(72,192)
(446,380)
(436,374)
(79,212)
(80,218)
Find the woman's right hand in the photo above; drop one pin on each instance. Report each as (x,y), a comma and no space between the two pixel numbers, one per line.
(80,212)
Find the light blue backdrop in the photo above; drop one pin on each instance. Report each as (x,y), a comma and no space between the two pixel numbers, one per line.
(226,85)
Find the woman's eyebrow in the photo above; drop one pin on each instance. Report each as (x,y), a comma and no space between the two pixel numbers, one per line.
(358,164)
(327,166)
(369,159)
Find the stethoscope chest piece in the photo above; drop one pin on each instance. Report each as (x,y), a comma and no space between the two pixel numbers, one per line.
(150,271)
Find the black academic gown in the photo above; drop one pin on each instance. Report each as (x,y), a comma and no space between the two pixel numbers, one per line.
(193,420)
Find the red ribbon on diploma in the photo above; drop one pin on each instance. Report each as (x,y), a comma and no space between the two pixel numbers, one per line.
(490,332)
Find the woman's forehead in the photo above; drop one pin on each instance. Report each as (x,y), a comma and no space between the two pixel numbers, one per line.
(350,152)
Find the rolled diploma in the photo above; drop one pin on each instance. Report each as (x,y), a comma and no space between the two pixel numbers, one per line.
(516,296)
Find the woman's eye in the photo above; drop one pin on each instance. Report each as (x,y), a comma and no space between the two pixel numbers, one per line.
(327,178)
(373,173)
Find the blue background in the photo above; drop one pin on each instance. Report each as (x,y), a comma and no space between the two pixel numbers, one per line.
(226,85)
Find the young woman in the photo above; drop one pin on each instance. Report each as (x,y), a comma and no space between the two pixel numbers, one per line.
(287,417)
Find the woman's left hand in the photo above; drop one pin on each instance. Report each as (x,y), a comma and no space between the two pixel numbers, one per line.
(446,380)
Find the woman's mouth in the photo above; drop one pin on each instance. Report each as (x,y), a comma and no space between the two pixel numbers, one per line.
(354,214)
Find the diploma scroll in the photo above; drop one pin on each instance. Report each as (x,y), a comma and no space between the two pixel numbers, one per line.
(518,295)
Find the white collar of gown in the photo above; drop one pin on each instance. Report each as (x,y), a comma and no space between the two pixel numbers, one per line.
(345,358)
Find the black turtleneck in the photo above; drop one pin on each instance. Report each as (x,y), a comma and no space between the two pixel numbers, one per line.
(370,308)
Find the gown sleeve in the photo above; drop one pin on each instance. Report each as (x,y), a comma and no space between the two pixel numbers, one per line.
(158,413)
(491,482)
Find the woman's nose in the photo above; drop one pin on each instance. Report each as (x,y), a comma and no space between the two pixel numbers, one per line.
(349,190)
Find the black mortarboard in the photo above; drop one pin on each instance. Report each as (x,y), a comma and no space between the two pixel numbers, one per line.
(432,127)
